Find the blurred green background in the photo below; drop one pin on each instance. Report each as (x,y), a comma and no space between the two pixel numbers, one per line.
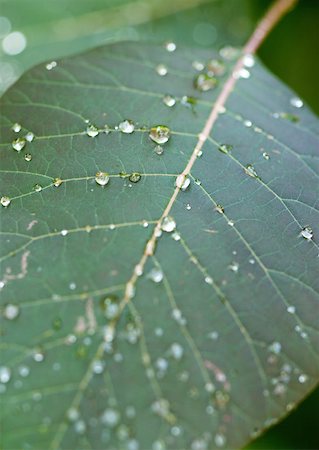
(34,31)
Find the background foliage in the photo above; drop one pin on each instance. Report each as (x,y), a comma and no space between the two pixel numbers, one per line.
(57,28)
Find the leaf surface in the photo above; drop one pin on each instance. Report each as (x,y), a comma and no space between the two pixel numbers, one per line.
(218,338)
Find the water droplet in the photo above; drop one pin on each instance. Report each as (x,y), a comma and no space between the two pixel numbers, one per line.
(161,69)
(57,182)
(159,150)
(23,371)
(161,407)
(16,127)
(37,187)
(266,156)
(127,126)
(72,414)
(176,236)
(170,46)
(229,53)
(213,335)
(302,378)
(182,182)
(275,347)
(205,82)
(287,116)
(241,73)
(231,223)
(160,134)
(307,233)
(249,60)
(64,232)
(250,170)
(296,102)
(11,311)
(110,417)
(177,351)
(51,65)
(234,266)
(197,65)
(29,136)
(108,333)
(18,144)
(111,306)
(220,209)
(247,123)
(38,355)
(5,374)
(225,148)
(92,131)
(188,207)
(197,181)
(80,427)
(98,366)
(161,364)
(135,177)
(291,309)
(155,275)
(102,178)
(190,102)
(5,201)
(168,224)
(28,157)
(220,440)
(169,100)
(216,67)
(138,270)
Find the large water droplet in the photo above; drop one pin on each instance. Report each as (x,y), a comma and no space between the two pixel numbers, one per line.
(135,177)
(205,82)
(168,224)
(18,144)
(127,126)
(160,134)
(102,178)
(5,201)
(92,131)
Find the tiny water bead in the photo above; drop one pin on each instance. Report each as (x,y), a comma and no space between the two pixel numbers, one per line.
(169,100)
(229,53)
(275,347)
(168,224)
(18,144)
(92,130)
(170,46)
(111,307)
(161,70)
(291,309)
(5,374)
(126,126)
(266,156)
(198,65)
(190,102)
(307,233)
(216,67)
(296,102)
(205,82)
(249,60)
(250,170)
(159,150)
(135,177)
(155,275)
(102,178)
(220,209)
(5,201)
(29,136)
(16,127)
(51,65)
(28,157)
(234,266)
(177,351)
(225,148)
(160,134)
(37,187)
(11,311)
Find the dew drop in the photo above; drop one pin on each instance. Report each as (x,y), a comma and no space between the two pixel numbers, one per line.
(291,309)
(188,207)
(197,65)
(16,127)
(241,73)
(37,187)
(159,150)
(250,170)
(160,134)
(72,414)
(220,440)
(169,100)
(307,233)
(155,275)
(302,378)
(216,67)
(249,60)
(11,311)
(38,355)
(102,178)
(23,371)
(106,129)
(220,209)
(208,280)
(296,102)
(176,236)
(229,53)
(28,157)
(205,82)
(190,102)
(5,201)
(18,144)
(127,126)
(57,182)
(266,156)
(111,307)
(161,70)
(275,347)
(234,266)
(5,374)
(92,131)
(98,367)
(287,116)
(177,351)
(51,65)
(247,123)
(225,148)
(170,46)
(29,136)
(135,177)
(64,232)
(168,224)
(80,427)
(182,182)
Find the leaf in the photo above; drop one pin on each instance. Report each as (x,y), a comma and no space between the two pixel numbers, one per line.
(218,338)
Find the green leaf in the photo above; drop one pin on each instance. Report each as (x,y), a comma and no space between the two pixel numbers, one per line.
(218,338)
